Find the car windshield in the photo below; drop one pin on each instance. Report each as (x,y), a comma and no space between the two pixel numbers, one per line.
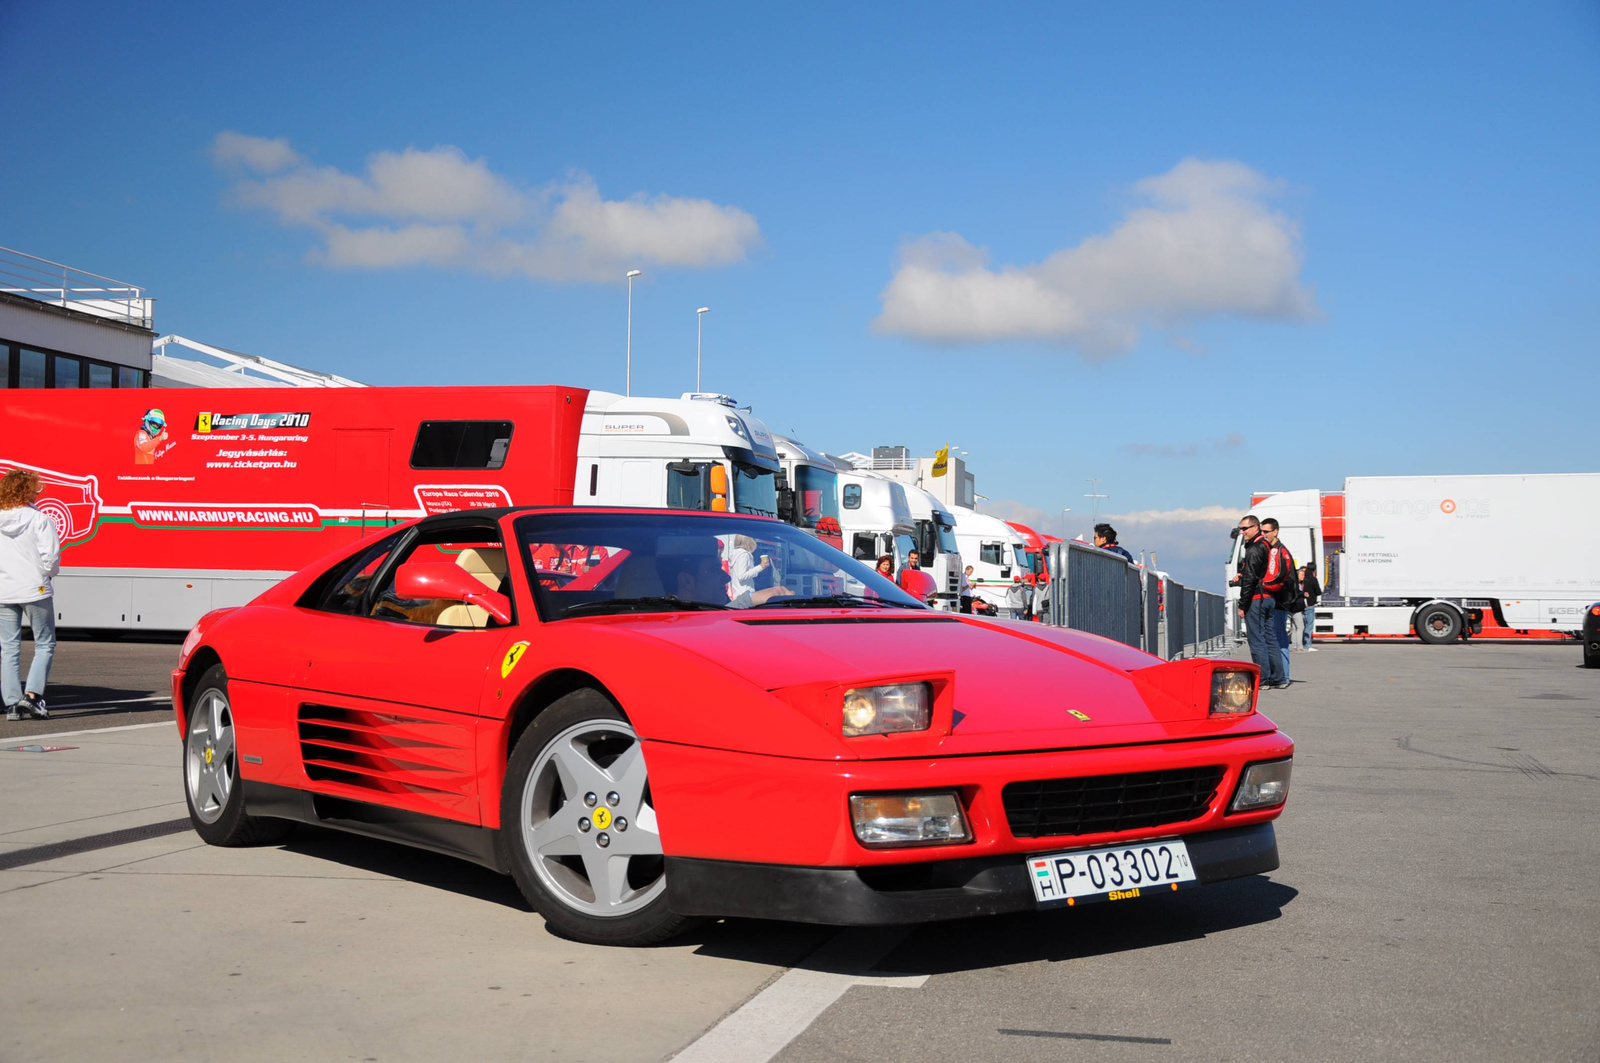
(816,495)
(590,563)
(755,491)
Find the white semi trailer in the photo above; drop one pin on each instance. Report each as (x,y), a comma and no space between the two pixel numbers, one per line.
(1441,556)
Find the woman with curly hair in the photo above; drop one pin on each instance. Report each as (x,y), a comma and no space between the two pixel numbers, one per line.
(30,553)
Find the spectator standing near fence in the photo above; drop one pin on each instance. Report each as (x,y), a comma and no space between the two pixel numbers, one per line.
(1105,537)
(1284,583)
(1313,592)
(30,554)
(1256,605)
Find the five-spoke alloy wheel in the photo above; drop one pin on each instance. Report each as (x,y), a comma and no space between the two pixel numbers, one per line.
(580,829)
(211,770)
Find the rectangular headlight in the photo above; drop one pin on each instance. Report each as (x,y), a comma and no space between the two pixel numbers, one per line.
(887,709)
(1262,786)
(888,820)
(1232,692)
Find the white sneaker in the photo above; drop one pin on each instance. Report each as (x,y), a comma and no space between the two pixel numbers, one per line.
(1311,649)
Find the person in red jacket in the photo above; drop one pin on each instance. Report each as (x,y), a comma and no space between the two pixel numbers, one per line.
(1256,604)
(1283,582)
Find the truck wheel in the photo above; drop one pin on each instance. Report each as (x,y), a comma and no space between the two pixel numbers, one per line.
(1438,623)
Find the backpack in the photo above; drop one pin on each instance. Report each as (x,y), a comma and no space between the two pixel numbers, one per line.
(1291,597)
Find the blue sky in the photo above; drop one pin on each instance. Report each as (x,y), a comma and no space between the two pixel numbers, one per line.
(1190,250)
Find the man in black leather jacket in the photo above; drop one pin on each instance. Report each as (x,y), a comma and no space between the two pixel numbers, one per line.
(1256,604)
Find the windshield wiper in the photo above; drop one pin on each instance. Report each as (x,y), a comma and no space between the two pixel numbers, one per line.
(831,600)
(665,602)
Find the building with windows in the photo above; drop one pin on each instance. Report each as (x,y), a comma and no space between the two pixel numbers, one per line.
(61,327)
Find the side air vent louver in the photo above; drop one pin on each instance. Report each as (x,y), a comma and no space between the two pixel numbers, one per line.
(385,753)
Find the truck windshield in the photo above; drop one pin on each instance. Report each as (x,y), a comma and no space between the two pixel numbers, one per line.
(755,491)
(816,495)
(934,539)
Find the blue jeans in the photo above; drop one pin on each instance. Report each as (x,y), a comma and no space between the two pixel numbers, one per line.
(1280,637)
(1310,616)
(1263,647)
(42,618)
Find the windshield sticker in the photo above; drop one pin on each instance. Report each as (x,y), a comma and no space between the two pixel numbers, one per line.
(512,657)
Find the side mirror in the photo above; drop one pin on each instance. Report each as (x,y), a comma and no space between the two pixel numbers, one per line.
(443,579)
(918,584)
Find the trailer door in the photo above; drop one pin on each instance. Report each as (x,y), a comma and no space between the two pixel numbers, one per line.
(361,478)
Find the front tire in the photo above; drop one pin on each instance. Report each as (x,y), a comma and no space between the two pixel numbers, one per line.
(578,827)
(211,771)
(1438,623)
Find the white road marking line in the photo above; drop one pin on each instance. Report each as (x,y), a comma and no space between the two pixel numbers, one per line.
(33,739)
(768,1021)
(107,704)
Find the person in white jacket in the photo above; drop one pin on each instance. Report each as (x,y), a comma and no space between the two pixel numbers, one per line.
(30,554)
(743,568)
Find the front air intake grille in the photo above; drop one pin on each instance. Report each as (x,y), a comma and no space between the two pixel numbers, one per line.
(1105,804)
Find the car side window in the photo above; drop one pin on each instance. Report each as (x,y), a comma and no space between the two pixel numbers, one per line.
(852,496)
(992,554)
(476,550)
(346,591)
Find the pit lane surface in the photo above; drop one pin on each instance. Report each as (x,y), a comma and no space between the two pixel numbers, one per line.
(1435,902)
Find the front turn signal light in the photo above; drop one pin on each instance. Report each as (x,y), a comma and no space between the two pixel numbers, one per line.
(1232,692)
(884,821)
(1262,786)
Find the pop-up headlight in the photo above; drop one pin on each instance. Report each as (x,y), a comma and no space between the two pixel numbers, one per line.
(887,709)
(1262,786)
(1232,692)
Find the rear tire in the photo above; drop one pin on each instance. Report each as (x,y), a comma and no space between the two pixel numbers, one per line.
(211,784)
(1438,623)
(577,826)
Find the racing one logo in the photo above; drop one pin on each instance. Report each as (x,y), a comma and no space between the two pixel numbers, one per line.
(72,502)
(1447,506)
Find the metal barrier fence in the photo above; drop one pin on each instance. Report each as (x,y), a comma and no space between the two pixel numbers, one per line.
(1096,591)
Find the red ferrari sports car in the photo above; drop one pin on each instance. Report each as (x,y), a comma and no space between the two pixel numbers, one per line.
(647,716)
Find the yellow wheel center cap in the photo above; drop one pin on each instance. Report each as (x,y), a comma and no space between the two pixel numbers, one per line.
(209,754)
(601,817)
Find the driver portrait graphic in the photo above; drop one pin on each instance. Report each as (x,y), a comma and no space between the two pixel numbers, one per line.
(151,440)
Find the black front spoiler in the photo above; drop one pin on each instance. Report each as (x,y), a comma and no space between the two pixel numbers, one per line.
(916,893)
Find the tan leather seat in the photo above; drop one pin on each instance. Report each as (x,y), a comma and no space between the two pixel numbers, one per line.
(488,565)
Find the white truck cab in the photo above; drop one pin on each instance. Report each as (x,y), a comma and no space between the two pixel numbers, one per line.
(998,555)
(695,452)
(808,490)
(935,535)
(875,518)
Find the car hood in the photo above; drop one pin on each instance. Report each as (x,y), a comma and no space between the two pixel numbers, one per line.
(1015,686)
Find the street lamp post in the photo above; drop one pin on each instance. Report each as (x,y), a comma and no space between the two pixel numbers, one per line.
(699,332)
(628,383)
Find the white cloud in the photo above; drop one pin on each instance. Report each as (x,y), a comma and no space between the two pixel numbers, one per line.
(1206,243)
(253,153)
(439,208)
(1202,515)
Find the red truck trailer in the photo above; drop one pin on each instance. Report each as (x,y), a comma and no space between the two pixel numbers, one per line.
(173,502)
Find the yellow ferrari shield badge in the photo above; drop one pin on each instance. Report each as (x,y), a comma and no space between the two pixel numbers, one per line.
(513,655)
(1076,715)
(601,817)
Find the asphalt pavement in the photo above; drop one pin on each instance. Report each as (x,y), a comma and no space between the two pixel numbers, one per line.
(1434,903)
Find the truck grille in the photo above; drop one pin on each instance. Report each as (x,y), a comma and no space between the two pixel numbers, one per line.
(1104,804)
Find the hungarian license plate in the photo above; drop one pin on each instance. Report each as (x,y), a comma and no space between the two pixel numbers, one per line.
(1114,873)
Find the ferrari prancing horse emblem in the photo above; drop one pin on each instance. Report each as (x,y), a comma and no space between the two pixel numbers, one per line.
(513,655)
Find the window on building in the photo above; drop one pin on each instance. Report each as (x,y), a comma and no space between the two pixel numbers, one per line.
(69,371)
(129,377)
(461,445)
(100,376)
(31,368)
